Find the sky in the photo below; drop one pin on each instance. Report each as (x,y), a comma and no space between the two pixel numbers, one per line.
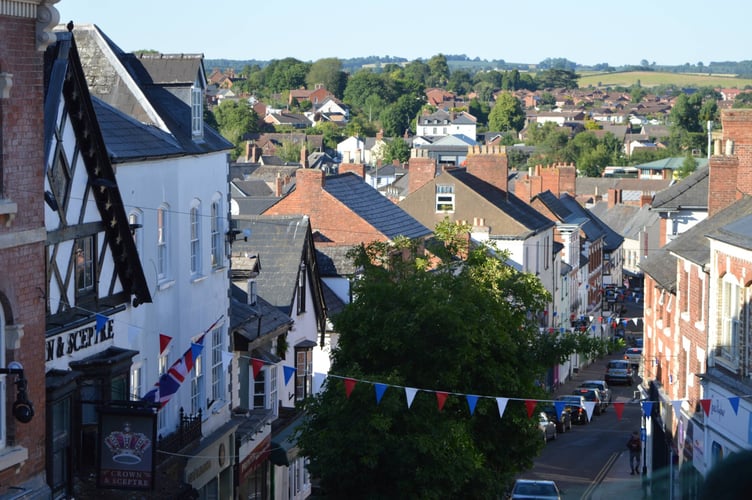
(667,32)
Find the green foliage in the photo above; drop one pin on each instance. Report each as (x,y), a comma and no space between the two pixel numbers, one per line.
(363,84)
(395,119)
(507,114)
(328,72)
(557,78)
(688,166)
(289,151)
(235,119)
(397,149)
(743,100)
(439,71)
(464,327)
(285,74)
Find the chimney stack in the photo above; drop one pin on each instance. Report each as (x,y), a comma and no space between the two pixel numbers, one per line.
(490,164)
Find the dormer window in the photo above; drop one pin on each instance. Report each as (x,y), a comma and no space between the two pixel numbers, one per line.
(197,112)
(444,198)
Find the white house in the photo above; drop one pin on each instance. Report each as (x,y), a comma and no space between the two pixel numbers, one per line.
(441,123)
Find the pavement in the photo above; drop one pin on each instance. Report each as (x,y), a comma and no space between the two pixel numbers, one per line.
(614,480)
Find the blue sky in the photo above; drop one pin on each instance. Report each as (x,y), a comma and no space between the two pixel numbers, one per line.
(669,32)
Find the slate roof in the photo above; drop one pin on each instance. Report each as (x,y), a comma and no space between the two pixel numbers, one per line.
(244,318)
(672,163)
(689,193)
(279,242)
(389,219)
(594,227)
(737,233)
(505,201)
(627,220)
(124,82)
(333,261)
(693,244)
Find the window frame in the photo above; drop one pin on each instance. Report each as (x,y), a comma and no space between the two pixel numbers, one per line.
(197,111)
(301,288)
(445,197)
(84,261)
(163,243)
(198,399)
(195,238)
(303,372)
(216,235)
(218,394)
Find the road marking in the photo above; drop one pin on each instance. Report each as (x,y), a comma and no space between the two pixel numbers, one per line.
(600,476)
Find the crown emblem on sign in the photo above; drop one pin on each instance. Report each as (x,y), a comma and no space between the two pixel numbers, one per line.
(127,447)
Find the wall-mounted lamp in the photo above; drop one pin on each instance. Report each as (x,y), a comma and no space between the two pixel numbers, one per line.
(23,409)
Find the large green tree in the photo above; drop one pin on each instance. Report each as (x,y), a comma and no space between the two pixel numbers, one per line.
(328,72)
(507,114)
(464,328)
(285,74)
(235,119)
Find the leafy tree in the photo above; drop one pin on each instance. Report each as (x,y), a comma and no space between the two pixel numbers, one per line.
(439,68)
(506,114)
(397,149)
(373,106)
(235,119)
(395,119)
(418,71)
(328,72)
(638,94)
(285,74)
(685,114)
(557,78)
(331,132)
(463,328)
(743,100)
(460,82)
(546,99)
(365,83)
(688,166)
(479,110)
(289,151)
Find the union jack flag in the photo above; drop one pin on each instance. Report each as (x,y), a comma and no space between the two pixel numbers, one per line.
(169,382)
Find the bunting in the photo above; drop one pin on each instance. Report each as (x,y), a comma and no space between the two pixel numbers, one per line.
(289,371)
(164,340)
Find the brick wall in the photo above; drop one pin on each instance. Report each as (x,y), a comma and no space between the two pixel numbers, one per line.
(722,178)
(421,171)
(489,163)
(559,178)
(357,168)
(22,253)
(336,224)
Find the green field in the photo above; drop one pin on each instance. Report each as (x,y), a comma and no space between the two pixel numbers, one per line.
(654,78)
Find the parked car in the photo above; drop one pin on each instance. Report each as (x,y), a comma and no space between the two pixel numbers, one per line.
(619,371)
(602,386)
(634,356)
(547,427)
(562,420)
(576,405)
(594,396)
(638,342)
(533,488)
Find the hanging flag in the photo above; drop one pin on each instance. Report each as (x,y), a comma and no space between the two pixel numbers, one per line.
(380,389)
(349,386)
(619,409)
(677,407)
(163,341)
(318,382)
(734,402)
(169,383)
(502,404)
(226,360)
(471,402)
(530,405)
(101,322)
(705,406)
(560,407)
(589,407)
(289,370)
(647,408)
(410,393)
(441,399)
(257,364)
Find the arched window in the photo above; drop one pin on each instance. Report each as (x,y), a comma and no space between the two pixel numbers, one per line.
(216,234)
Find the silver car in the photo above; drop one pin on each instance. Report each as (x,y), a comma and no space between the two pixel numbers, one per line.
(547,426)
(532,488)
(602,387)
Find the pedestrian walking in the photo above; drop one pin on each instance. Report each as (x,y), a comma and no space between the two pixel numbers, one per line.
(634,445)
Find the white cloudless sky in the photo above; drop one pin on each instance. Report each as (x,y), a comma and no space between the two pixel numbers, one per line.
(671,32)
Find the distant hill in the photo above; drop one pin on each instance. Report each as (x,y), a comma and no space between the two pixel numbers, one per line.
(656,78)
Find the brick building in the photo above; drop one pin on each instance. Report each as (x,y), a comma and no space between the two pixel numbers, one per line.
(25,32)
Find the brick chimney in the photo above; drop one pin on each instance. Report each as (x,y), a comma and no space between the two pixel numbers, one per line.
(722,178)
(304,156)
(529,186)
(309,181)
(279,184)
(614,197)
(646,199)
(357,168)
(737,127)
(489,163)
(421,170)
(559,178)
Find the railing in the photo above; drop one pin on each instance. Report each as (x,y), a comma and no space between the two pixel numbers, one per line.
(188,431)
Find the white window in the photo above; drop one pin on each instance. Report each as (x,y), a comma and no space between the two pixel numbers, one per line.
(265,389)
(444,198)
(303,372)
(216,235)
(162,242)
(136,381)
(273,398)
(218,377)
(84,262)
(195,221)
(729,315)
(197,386)
(197,112)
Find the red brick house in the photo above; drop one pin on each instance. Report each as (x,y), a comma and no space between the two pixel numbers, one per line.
(22,243)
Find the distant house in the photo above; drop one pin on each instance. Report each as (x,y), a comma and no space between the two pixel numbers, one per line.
(443,123)
(284,118)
